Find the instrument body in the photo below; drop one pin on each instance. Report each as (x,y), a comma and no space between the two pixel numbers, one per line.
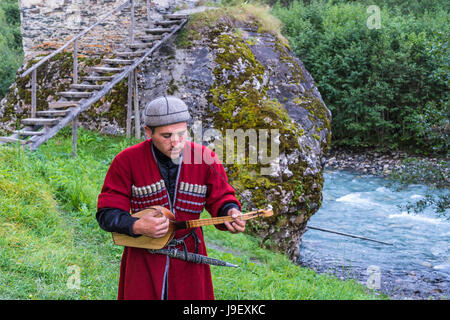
(159,243)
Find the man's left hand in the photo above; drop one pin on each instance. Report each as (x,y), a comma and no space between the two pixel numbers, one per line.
(237,225)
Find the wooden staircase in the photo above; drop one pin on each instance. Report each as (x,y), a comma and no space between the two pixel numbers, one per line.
(84,92)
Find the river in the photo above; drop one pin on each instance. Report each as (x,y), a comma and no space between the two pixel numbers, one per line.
(416,266)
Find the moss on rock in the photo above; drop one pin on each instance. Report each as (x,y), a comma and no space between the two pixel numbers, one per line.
(51,77)
(56,76)
(241,101)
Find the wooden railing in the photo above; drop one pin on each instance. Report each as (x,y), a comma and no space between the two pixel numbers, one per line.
(99,94)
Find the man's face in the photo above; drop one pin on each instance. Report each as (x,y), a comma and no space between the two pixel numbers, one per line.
(170,139)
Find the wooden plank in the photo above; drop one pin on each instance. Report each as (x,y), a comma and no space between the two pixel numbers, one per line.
(29,133)
(167,22)
(40,121)
(53,113)
(106,69)
(158,30)
(117,61)
(131,53)
(62,104)
(74,94)
(13,140)
(175,16)
(150,38)
(97,78)
(140,45)
(86,86)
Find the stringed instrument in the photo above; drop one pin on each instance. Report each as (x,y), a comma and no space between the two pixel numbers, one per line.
(159,243)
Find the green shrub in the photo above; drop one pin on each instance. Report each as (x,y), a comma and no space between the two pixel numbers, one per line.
(11,54)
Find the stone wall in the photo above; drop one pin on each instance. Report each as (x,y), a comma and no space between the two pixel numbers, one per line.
(47,24)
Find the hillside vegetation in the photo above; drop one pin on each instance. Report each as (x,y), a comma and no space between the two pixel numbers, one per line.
(11,53)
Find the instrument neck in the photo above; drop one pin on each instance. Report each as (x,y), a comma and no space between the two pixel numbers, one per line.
(211,221)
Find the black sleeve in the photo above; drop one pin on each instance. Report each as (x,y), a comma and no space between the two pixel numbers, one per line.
(227,206)
(116,220)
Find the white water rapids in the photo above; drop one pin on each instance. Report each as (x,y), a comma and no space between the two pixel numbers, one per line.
(417,266)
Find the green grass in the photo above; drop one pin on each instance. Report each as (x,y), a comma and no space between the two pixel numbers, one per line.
(48,229)
(263,274)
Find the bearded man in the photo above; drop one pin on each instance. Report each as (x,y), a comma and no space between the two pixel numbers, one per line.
(164,171)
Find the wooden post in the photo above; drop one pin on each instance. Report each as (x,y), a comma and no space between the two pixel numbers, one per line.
(130,103)
(137,116)
(132,22)
(149,19)
(33,93)
(75,62)
(74,137)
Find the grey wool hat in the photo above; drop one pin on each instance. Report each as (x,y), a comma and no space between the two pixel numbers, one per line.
(166,110)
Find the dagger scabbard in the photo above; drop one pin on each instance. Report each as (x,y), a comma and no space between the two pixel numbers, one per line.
(192,257)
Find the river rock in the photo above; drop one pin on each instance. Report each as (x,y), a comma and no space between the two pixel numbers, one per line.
(427,264)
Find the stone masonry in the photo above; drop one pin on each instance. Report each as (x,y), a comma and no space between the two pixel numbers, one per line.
(47,24)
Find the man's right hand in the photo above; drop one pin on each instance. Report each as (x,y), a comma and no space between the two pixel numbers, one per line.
(154,224)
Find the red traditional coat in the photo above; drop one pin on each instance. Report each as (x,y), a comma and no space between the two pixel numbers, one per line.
(133,183)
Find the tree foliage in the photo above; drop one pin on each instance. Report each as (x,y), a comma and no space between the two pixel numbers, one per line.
(386,87)
(11,53)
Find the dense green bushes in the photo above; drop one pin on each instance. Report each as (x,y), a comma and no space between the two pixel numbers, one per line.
(11,54)
(386,87)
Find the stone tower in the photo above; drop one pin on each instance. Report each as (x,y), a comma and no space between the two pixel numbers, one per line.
(47,24)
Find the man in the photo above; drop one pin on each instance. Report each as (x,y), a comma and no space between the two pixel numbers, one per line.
(165,170)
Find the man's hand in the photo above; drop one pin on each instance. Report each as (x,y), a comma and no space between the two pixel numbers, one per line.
(152,225)
(237,225)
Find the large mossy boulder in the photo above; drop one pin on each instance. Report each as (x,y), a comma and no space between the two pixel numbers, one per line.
(236,72)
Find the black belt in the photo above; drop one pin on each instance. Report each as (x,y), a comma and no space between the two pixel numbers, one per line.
(188,256)
(177,242)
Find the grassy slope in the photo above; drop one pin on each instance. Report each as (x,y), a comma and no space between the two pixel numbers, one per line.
(47,226)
